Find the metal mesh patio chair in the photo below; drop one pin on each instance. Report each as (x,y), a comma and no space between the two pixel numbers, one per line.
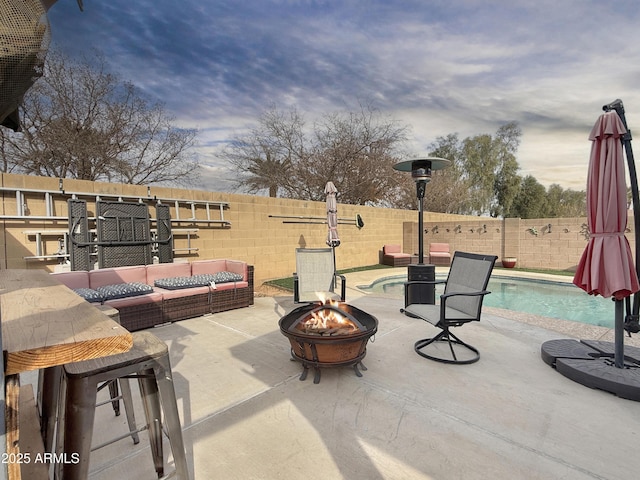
(461,303)
(316,276)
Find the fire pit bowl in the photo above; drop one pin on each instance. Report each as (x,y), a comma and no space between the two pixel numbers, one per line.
(333,347)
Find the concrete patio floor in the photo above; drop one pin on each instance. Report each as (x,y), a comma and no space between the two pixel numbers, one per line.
(246,415)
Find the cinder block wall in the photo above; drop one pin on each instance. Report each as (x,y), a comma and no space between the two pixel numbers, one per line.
(256,234)
(259,237)
(553,243)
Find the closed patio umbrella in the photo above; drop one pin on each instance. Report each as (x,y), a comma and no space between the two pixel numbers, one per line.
(332,215)
(606,267)
(332,220)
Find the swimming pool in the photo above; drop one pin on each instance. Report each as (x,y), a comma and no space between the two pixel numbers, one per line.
(539,297)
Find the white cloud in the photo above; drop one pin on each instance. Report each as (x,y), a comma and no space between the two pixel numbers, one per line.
(441,67)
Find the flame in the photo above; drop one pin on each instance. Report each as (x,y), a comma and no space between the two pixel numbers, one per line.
(327,321)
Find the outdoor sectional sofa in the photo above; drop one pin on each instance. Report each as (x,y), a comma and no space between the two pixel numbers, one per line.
(149,295)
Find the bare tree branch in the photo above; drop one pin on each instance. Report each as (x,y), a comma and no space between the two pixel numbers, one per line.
(356,151)
(81,121)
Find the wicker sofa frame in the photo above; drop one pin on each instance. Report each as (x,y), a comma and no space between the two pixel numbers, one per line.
(439,254)
(164,306)
(392,255)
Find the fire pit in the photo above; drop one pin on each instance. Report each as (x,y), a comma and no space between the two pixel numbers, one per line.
(328,335)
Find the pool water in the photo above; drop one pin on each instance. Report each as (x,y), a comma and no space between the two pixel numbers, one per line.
(539,297)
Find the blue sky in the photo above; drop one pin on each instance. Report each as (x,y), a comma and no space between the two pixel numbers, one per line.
(438,66)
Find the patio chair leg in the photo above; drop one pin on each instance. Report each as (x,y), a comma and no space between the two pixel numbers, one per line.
(452,340)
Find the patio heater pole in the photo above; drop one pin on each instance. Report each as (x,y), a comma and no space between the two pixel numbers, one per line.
(421,186)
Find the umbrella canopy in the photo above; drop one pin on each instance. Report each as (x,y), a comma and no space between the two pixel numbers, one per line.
(606,267)
(332,215)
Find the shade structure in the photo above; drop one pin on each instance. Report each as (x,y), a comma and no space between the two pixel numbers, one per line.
(333,240)
(606,267)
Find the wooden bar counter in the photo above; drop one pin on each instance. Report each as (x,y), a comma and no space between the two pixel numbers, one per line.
(45,324)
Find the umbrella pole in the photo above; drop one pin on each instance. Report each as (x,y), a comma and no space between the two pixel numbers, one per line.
(618,358)
(633,179)
(335,271)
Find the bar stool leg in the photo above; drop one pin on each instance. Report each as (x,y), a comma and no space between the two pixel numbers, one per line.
(164,380)
(80,410)
(125,387)
(114,394)
(49,381)
(153,414)
(59,434)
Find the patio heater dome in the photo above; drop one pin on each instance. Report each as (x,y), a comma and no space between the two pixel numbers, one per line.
(421,168)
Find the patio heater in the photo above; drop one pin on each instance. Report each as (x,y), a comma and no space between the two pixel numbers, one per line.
(421,169)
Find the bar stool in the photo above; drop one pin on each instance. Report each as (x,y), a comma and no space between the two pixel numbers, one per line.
(49,391)
(148,361)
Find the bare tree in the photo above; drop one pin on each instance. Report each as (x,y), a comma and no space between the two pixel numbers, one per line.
(264,158)
(81,121)
(355,150)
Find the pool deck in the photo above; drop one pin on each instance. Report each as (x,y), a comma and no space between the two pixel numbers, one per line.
(246,415)
(572,329)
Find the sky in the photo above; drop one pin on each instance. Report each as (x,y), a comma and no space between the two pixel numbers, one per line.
(439,67)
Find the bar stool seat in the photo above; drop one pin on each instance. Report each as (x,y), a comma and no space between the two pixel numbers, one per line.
(148,361)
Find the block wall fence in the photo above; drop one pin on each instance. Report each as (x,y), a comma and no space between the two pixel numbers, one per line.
(549,243)
(258,233)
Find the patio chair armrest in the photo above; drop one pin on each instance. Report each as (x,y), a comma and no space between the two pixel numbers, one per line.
(446,296)
(463,294)
(443,305)
(343,286)
(296,288)
(432,282)
(420,282)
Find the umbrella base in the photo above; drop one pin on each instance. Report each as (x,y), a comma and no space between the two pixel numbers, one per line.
(591,363)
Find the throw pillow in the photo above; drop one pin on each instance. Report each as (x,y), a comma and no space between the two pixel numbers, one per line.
(123,290)
(176,283)
(89,294)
